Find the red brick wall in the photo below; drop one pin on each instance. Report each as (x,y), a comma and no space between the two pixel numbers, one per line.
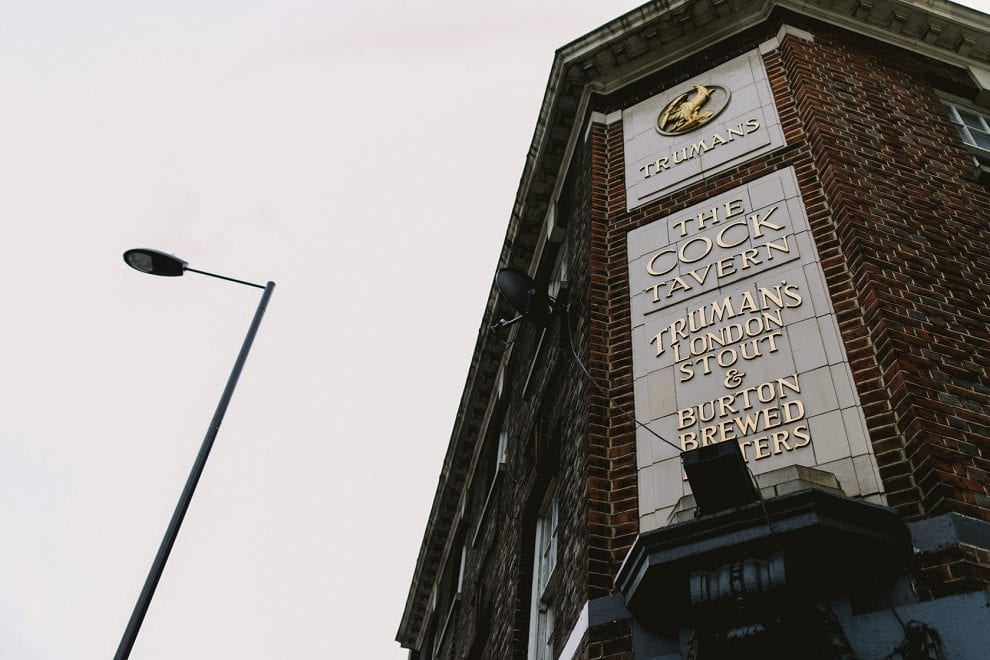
(547,449)
(907,267)
(902,231)
(952,570)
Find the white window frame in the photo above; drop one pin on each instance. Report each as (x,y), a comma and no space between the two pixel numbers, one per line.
(972,124)
(460,570)
(502,453)
(559,278)
(542,616)
(971,130)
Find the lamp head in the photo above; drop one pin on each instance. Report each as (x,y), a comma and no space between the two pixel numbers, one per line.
(154,262)
(524,294)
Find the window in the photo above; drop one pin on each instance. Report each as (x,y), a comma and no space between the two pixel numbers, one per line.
(493,456)
(556,289)
(558,278)
(460,572)
(502,405)
(503,445)
(448,599)
(541,622)
(973,127)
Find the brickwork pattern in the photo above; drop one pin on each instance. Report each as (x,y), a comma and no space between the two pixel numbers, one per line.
(954,570)
(901,229)
(907,265)
(546,452)
(902,233)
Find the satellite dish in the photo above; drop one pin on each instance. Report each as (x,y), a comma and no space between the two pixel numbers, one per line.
(524,294)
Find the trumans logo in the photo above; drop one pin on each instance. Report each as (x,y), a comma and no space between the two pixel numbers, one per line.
(692,109)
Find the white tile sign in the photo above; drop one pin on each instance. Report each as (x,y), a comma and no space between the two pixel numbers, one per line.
(735,340)
(715,120)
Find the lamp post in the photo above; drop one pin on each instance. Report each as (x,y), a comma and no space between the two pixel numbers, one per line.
(155,262)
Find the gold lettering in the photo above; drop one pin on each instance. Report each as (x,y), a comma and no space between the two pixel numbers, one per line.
(737,131)
(773,296)
(780,247)
(791,385)
(779,438)
(792,292)
(772,340)
(749,303)
(759,223)
(753,344)
(771,319)
(749,258)
(696,317)
(688,440)
(723,309)
(678,285)
(726,266)
(793,410)
(682,252)
(681,224)
(658,340)
(720,237)
(703,277)
(725,405)
(698,148)
(748,424)
(651,264)
(705,216)
(724,361)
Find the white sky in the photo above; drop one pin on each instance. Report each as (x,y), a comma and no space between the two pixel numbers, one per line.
(365,156)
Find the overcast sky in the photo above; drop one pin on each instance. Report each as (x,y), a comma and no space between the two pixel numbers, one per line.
(365,156)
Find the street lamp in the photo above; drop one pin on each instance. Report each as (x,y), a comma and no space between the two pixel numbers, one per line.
(155,262)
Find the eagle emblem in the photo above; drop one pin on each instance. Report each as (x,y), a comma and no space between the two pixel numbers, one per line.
(687,111)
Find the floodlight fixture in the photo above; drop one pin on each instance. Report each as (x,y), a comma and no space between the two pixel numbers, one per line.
(719,477)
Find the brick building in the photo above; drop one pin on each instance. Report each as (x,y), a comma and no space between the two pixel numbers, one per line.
(765,224)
